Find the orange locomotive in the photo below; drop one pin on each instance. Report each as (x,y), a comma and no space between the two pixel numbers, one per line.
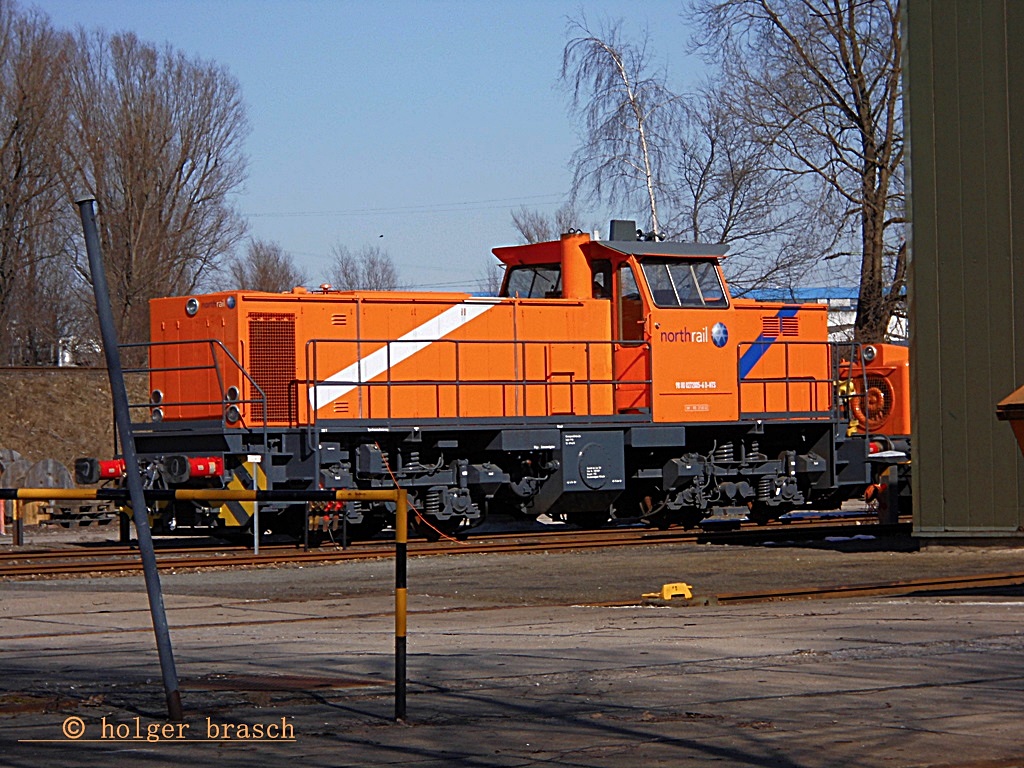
(609,377)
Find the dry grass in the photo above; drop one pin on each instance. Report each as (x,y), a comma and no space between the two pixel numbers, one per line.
(61,413)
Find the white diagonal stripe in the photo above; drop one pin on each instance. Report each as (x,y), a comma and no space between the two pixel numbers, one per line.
(394,352)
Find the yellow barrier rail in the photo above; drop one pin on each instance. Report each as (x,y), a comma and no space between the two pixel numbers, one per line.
(397,495)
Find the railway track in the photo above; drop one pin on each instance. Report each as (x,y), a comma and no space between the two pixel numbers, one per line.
(121,559)
(902,588)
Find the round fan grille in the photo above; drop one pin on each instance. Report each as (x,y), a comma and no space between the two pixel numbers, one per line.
(873,406)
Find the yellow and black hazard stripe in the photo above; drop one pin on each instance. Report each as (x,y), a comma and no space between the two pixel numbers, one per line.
(238,513)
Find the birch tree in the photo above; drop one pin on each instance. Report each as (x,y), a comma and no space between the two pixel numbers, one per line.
(626,112)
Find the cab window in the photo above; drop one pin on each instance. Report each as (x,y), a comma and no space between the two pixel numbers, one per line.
(534,282)
(602,286)
(684,283)
(631,309)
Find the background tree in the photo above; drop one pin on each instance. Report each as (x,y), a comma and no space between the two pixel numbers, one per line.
(157,137)
(536,227)
(266,266)
(489,282)
(722,186)
(33,117)
(369,269)
(819,82)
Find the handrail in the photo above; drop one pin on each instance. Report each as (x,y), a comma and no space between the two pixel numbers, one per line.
(790,382)
(360,377)
(855,361)
(214,346)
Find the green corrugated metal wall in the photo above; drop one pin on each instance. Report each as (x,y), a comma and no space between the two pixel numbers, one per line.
(964,96)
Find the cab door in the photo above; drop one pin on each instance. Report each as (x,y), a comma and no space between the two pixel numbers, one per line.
(631,362)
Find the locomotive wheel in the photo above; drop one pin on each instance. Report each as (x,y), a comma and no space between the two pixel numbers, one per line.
(590,520)
(653,513)
(658,519)
(432,529)
(762,514)
(689,518)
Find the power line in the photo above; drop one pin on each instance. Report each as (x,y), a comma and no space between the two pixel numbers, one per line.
(455,207)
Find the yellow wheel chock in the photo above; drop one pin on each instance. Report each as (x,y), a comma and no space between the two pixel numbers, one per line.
(669,590)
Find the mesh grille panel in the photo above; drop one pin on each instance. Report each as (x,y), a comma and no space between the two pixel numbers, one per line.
(272,362)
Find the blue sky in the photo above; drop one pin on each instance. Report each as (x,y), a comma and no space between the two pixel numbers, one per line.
(426,122)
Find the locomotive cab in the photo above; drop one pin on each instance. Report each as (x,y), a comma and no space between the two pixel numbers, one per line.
(683,350)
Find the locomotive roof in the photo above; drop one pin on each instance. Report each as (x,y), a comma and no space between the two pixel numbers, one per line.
(654,248)
(550,251)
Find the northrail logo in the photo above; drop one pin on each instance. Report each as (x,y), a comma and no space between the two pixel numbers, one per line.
(718,335)
(75,730)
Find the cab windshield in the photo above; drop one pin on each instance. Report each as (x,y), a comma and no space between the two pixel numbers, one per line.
(684,282)
(534,282)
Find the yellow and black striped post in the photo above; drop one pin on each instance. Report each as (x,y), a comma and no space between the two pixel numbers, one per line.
(401,558)
(17,524)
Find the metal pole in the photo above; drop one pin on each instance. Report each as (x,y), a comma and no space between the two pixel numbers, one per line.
(124,428)
(254,460)
(889,504)
(18,535)
(401,557)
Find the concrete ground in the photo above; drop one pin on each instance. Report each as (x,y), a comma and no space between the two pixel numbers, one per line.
(508,666)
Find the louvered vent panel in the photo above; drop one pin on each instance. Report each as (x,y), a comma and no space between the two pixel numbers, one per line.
(272,362)
(340,407)
(790,326)
(770,327)
(339,320)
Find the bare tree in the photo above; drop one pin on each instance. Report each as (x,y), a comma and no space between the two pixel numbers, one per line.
(379,271)
(819,81)
(266,266)
(368,269)
(722,186)
(491,278)
(157,137)
(626,112)
(33,117)
(536,227)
